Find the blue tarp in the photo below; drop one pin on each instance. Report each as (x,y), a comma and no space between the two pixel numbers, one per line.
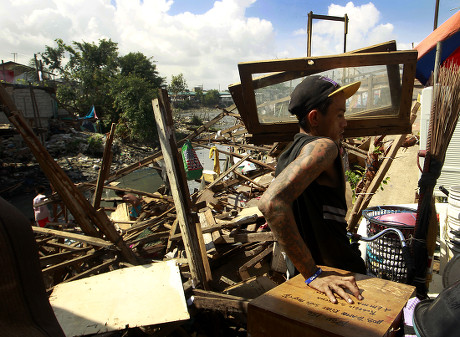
(91,114)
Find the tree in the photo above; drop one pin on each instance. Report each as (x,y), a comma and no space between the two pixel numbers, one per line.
(140,65)
(178,84)
(211,98)
(133,99)
(120,87)
(86,74)
(199,96)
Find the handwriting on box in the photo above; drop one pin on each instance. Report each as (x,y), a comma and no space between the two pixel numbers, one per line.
(344,312)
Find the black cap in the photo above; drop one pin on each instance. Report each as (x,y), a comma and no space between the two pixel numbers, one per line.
(314,90)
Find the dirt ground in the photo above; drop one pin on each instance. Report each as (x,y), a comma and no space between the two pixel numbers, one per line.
(402,185)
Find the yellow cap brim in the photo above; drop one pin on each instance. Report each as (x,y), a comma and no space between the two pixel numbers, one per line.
(349,89)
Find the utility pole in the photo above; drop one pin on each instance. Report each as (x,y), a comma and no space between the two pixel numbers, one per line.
(436,12)
(14,57)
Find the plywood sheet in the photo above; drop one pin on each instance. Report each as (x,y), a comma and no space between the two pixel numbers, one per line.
(121,213)
(294,309)
(137,296)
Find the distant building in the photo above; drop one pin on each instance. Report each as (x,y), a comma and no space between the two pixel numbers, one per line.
(12,72)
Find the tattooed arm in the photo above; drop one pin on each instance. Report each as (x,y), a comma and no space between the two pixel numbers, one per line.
(315,160)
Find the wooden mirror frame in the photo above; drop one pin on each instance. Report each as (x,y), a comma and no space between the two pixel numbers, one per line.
(286,69)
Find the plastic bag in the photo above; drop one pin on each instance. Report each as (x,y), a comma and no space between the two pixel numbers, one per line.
(192,165)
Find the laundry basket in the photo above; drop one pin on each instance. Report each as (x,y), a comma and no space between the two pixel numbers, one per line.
(384,258)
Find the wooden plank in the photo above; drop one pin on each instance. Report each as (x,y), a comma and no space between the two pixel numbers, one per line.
(73,236)
(207,237)
(210,222)
(179,187)
(251,237)
(61,246)
(67,263)
(263,188)
(105,168)
(111,233)
(243,270)
(252,287)
(121,216)
(90,271)
(219,302)
(172,232)
(257,162)
(204,256)
(138,296)
(294,309)
(59,257)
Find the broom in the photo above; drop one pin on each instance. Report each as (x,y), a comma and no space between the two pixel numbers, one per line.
(443,120)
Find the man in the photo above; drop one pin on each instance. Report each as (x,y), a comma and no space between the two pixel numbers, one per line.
(41,212)
(305,205)
(135,202)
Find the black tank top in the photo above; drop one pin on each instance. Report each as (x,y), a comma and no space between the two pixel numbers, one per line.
(320,215)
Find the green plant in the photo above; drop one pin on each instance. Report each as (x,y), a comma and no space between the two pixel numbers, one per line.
(95,146)
(384,182)
(73,145)
(196,120)
(354,177)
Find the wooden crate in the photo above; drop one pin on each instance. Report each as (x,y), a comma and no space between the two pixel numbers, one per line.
(294,309)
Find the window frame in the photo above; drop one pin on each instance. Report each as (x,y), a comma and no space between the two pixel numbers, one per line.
(278,71)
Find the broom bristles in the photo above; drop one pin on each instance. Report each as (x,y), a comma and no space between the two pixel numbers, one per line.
(445,110)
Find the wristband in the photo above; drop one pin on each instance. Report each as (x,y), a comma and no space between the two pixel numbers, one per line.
(315,275)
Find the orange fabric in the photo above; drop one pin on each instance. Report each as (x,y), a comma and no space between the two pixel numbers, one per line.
(448,28)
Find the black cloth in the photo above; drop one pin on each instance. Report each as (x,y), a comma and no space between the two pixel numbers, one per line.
(24,306)
(320,216)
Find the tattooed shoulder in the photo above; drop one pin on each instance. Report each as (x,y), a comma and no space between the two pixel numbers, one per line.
(322,147)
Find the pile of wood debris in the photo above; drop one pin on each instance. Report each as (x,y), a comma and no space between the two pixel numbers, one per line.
(239,259)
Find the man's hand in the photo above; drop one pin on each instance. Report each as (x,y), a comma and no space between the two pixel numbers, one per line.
(329,284)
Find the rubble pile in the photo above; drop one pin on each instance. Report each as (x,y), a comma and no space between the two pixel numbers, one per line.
(241,257)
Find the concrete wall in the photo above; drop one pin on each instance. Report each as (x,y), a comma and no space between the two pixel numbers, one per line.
(21,95)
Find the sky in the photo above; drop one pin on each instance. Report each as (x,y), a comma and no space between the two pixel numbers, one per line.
(206,39)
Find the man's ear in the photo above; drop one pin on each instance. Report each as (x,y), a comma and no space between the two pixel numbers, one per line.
(313,117)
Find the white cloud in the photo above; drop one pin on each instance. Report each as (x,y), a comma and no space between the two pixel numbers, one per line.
(206,48)
(300,31)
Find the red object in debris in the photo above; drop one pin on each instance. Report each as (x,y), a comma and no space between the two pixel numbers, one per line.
(403,218)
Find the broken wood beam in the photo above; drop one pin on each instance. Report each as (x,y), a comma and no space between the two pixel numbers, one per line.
(92,270)
(219,302)
(257,162)
(249,237)
(105,168)
(211,222)
(71,262)
(207,237)
(223,175)
(179,187)
(263,188)
(154,195)
(59,257)
(98,242)
(243,270)
(111,233)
